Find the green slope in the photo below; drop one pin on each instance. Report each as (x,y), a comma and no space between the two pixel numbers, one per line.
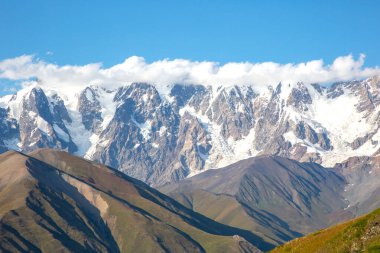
(51,201)
(358,235)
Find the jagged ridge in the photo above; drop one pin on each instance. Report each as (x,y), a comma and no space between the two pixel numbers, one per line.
(161,138)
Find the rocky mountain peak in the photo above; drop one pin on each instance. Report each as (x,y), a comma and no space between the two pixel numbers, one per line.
(192,128)
(299,97)
(90,109)
(183,93)
(36,101)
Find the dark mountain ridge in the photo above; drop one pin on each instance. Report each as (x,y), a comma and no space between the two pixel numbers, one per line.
(51,200)
(276,197)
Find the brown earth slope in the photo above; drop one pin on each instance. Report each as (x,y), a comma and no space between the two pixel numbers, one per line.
(51,201)
(276,198)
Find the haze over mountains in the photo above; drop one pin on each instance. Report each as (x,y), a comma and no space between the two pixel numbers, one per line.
(165,136)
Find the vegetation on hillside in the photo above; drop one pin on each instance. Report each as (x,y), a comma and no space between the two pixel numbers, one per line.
(359,235)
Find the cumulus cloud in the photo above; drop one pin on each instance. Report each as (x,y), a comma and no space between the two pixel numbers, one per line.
(166,72)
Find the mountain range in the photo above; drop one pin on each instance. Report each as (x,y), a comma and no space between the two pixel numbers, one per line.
(235,168)
(165,135)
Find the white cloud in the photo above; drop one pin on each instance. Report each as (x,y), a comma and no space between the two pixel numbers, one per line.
(167,72)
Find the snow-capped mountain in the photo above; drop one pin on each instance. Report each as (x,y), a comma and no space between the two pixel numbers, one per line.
(160,136)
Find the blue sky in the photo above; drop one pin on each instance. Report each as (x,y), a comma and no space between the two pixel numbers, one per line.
(266,41)
(80,32)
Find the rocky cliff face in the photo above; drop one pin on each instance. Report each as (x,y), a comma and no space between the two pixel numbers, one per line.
(362,191)
(38,121)
(160,137)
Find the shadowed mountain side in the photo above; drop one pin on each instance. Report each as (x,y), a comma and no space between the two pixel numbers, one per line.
(51,200)
(275,198)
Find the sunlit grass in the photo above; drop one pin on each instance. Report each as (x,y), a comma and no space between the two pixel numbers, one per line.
(359,235)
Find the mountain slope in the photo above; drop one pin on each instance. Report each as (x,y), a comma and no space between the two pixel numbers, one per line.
(363,185)
(50,200)
(276,198)
(358,235)
(163,136)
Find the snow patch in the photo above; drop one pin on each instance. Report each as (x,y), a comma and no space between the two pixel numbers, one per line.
(223,152)
(291,137)
(61,134)
(43,125)
(162,130)
(145,128)
(145,97)
(242,148)
(90,96)
(108,105)
(4,101)
(15,104)
(79,134)
(340,116)
(348,206)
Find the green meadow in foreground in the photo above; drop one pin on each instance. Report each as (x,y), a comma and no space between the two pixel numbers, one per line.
(358,235)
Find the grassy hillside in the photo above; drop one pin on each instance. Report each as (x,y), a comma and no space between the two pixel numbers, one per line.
(358,235)
(51,201)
